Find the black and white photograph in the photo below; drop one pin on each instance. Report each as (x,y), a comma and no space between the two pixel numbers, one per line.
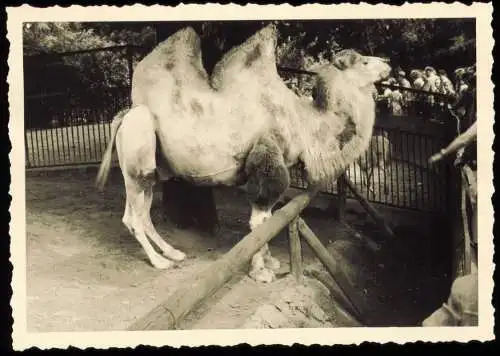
(251,172)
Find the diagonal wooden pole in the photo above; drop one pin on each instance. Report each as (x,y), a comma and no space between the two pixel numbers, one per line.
(348,294)
(369,208)
(167,314)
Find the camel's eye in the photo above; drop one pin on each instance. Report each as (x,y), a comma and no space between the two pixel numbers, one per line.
(365,62)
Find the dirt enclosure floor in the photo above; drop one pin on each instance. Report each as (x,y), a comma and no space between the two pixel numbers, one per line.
(85,272)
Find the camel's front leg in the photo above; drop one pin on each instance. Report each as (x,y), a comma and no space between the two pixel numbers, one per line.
(263,264)
(268,179)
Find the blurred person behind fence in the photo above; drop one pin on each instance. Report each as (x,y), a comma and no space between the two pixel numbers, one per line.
(404,83)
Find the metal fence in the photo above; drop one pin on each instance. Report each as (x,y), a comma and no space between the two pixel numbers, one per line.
(406,180)
(71,126)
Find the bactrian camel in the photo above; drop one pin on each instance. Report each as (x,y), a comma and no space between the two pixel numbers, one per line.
(242,125)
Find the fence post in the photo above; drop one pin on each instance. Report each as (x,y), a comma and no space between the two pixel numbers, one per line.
(295,251)
(342,197)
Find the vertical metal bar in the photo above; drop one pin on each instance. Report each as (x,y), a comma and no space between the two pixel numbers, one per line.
(29,132)
(405,165)
(53,152)
(422,158)
(411,169)
(398,180)
(430,175)
(71,136)
(437,172)
(39,147)
(89,141)
(99,138)
(377,194)
(27,162)
(45,142)
(55,132)
(93,140)
(36,148)
(59,141)
(81,139)
(75,132)
(416,170)
(85,135)
(78,142)
(391,162)
(65,135)
(94,135)
(67,128)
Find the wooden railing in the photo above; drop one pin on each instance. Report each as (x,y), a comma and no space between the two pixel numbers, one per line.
(169,313)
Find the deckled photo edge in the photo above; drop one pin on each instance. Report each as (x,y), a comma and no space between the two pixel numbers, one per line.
(23,339)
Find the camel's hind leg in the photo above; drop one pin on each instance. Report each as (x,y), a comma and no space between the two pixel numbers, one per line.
(268,180)
(136,213)
(136,146)
(168,251)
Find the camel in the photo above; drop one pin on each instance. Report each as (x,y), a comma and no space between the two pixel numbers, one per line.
(240,126)
(378,156)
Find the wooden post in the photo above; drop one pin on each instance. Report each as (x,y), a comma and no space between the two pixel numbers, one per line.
(295,251)
(348,295)
(342,197)
(465,226)
(166,315)
(370,209)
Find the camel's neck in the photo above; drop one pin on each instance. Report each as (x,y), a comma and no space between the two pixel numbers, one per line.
(338,136)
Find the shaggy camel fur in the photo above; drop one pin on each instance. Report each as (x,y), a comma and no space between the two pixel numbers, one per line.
(241,126)
(378,156)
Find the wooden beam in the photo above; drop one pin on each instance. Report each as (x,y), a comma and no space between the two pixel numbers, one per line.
(333,287)
(370,209)
(349,297)
(342,198)
(296,267)
(167,314)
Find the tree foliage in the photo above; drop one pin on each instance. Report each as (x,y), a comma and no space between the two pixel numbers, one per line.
(409,43)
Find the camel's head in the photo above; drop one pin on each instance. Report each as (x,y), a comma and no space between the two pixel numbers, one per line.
(361,70)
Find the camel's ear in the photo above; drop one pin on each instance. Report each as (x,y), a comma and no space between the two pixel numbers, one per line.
(346,59)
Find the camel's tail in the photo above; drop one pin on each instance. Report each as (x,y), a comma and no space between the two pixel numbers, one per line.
(102,175)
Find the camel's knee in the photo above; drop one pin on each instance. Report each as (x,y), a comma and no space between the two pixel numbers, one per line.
(146,177)
(258,215)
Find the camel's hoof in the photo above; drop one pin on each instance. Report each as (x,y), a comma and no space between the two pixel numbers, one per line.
(272,263)
(175,255)
(263,275)
(162,263)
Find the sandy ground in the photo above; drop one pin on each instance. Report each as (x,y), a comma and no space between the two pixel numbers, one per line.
(87,273)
